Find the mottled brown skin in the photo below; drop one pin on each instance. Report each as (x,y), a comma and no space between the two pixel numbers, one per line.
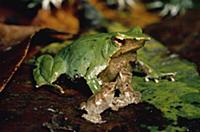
(99,102)
(121,60)
(127,94)
(118,75)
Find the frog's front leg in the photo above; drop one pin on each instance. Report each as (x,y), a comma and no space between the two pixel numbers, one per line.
(126,93)
(153,75)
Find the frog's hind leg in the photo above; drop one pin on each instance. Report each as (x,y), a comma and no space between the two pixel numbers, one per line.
(98,103)
(127,95)
(90,115)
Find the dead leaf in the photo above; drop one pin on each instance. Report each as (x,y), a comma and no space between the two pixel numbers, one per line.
(11,60)
(63,20)
(15,43)
(137,16)
(11,35)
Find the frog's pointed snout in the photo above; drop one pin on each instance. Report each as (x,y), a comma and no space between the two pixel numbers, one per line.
(139,44)
(142,41)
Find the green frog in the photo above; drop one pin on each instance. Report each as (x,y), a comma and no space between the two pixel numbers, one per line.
(105,61)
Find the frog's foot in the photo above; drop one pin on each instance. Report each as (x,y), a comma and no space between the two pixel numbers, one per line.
(125,99)
(94,118)
(157,77)
(58,88)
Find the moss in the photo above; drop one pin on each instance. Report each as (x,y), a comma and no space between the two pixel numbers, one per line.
(175,99)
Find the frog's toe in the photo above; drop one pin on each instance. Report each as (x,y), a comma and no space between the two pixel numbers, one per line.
(59,88)
(146,79)
(83,106)
(156,80)
(172,79)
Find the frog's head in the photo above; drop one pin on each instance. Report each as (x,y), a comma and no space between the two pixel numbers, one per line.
(129,41)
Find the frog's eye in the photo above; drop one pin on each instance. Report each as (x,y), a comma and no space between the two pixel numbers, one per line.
(119,40)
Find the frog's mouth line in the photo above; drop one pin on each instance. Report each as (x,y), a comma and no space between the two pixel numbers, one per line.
(128,45)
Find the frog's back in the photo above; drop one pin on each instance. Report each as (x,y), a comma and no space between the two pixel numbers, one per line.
(88,55)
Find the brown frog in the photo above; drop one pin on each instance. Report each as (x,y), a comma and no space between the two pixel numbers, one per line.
(116,79)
